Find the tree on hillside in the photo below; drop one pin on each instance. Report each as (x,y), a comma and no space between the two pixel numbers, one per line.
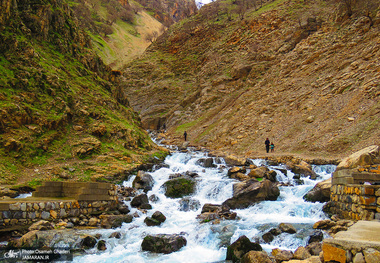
(151,36)
(241,8)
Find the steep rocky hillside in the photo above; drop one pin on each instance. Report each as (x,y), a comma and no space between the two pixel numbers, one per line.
(169,12)
(61,117)
(306,74)
(121,30)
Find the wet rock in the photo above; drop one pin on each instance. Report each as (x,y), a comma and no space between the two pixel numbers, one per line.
(320,192)
(301,253)
(159,216)
(241,246)
(324,224)
(126,191)
(268,237)
(29,240)
(123,208)
(314,248)
(156,219)
(163,243)
(101,245)
(234,161)
(271,176)
(151,221)
(258,172)
(256,257)
(113,221)
(206,162)
(87,242)
(211,212)
(250,191)
(143,180)
(139,200)
(317,236)
(302,168)
(282,255)
(287,228)
(41,225)
(145,206)
(116,235)
(179,187)
(235,170)
(275,231)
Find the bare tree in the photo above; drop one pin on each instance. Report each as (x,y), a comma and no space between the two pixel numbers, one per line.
(151,37)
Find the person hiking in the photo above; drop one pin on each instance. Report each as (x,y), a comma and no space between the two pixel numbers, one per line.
(185,135)
(272,147)
(267,144)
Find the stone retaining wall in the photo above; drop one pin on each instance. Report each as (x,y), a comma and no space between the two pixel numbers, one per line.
(355,201)
(54,205)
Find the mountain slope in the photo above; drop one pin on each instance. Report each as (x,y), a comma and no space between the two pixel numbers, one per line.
(61,116)
(304,74)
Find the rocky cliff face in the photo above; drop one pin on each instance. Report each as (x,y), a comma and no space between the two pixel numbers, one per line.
(62,115)
(303,74)
(170,11)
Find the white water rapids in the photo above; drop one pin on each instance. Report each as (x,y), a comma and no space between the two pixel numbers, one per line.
(205,240)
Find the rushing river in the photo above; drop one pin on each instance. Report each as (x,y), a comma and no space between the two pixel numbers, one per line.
(206,241)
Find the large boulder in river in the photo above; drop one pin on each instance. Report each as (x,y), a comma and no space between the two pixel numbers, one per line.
(251,191)
(211,212)
(302,168)
(258,172)
(140,201)
(238,173)
(143,180)
(320,192)
(240,247)
(206,162)
(156,219)
(179,187)
(113,221)
(366,156)
(163,243)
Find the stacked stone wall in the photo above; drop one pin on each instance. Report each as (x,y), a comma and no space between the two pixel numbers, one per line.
(52,202)
(355,201)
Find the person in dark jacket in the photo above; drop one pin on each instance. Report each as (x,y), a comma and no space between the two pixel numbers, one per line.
(185,135)
(267,145)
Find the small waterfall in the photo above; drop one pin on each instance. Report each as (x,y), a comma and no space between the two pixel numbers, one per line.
(207,242)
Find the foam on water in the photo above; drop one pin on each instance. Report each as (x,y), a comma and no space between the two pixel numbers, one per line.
(204,239)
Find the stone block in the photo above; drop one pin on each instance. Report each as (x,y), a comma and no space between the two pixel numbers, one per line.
(45,215)
(7,214)
(62,213)
(364,200)
(15,206)
(53,214)
(377,193)
(368,191)
(32,215)
(17,214)
(371,255)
